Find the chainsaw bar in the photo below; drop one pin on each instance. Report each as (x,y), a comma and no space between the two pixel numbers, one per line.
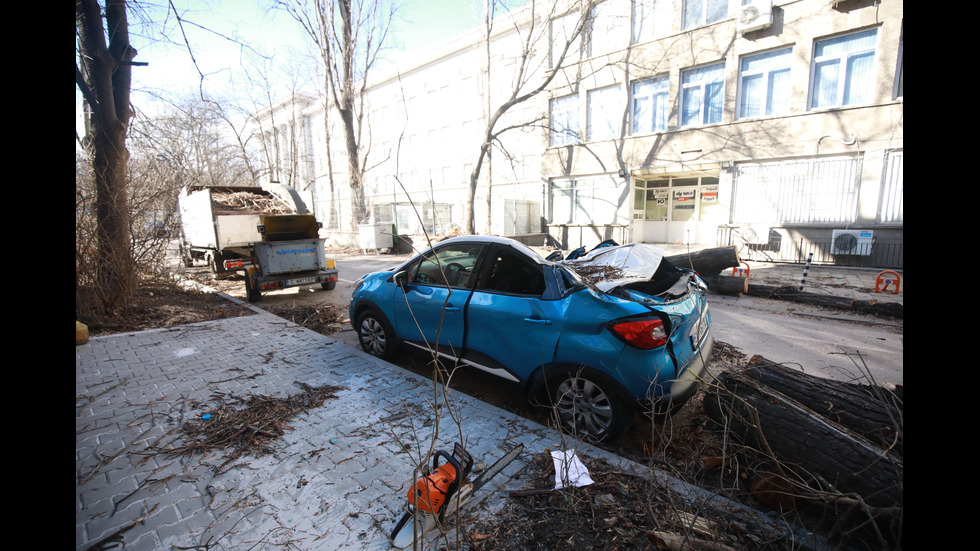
(408,530)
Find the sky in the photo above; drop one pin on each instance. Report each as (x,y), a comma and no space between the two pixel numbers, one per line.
(422,24)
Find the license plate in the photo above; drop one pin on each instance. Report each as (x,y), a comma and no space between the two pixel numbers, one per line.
(301,281)
(700,329)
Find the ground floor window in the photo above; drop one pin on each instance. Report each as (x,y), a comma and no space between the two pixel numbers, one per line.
(587,201)
(892,210)
(798,191)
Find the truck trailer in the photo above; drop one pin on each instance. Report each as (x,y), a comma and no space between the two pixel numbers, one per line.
(266,232)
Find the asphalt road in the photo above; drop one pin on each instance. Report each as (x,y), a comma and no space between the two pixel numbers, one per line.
(822,342)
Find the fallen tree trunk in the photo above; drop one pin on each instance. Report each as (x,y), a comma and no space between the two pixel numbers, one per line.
(824,453)
(707,262)
(892,309)
(727,285)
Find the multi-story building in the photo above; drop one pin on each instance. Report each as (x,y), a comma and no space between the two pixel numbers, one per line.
(773,125)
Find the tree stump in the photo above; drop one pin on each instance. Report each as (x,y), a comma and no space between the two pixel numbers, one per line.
(804,423)
(727,285)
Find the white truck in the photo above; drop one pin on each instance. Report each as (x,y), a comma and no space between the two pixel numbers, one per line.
(266,231)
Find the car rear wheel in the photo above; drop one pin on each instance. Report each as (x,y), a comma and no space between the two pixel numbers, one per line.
(375,335)
(588,409)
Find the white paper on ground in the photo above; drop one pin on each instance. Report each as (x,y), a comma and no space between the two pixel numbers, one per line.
(569,470)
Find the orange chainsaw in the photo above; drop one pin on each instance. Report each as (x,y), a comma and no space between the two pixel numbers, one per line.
(441,488)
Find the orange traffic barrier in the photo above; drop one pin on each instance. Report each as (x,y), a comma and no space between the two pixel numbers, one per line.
(739,271)
(883,281)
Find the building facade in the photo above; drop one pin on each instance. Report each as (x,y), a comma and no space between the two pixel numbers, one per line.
(775,126)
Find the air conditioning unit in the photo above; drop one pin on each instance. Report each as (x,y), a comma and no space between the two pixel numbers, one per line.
(755,234)
(754,16)
(852,242)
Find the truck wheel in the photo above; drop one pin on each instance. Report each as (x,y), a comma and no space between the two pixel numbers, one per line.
(215,263)
(328,285)
(252,291)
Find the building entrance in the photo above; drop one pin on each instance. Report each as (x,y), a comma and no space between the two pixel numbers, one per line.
(675,209)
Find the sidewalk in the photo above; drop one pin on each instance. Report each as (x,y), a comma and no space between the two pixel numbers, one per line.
(336,480)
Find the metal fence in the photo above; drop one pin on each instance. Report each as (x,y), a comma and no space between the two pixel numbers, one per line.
(882,253)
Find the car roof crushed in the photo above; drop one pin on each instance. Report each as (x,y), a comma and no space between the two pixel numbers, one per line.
(610,267)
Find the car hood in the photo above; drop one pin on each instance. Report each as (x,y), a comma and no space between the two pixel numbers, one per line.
(609,267)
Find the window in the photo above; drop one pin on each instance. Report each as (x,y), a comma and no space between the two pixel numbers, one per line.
(805,191)
(586,201)
(562,29)
(511,273)
(900,73)
(605,113)
(604,33)
(843,70)
(702,12)
(564,120)
(451,265)
(892,210)
(651,19)
(650,105)
(701,95)
(764,84)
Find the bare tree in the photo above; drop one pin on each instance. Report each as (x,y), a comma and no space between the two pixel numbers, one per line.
(529,80)
(350,36)
(103,75)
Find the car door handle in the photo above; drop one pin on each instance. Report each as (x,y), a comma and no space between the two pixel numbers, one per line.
(451,308)
(537,321)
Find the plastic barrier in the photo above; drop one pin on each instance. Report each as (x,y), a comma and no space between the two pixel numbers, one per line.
(883,281)
(739,271)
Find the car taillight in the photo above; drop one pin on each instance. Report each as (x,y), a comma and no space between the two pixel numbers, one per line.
(645,334)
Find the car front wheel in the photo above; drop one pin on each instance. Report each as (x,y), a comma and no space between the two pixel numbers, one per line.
(375,335)
(588,409)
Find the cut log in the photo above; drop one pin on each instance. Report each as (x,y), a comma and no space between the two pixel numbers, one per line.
(727,285)
(811,442)
(707,262)
(891,309)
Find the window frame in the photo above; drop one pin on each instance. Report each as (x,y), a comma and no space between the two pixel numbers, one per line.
(702,86)
(767,72)
(842,80)
(613,111)
(659,89)
(571,132)
(704,9)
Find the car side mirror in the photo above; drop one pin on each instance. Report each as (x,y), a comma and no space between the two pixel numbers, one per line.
(401,279)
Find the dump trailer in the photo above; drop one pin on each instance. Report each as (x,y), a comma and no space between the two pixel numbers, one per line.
(266,232)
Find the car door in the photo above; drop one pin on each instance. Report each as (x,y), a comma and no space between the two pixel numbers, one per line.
(510,329)
(429,310)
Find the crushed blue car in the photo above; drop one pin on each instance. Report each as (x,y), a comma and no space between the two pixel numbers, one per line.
(595,337)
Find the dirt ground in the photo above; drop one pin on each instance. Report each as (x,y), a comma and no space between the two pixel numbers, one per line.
(621,511)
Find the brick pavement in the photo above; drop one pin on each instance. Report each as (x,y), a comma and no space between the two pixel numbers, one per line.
(335,481)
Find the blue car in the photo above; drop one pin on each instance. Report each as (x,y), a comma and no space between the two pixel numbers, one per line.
(595,337)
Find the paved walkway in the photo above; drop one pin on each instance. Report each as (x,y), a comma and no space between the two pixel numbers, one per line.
(335,480)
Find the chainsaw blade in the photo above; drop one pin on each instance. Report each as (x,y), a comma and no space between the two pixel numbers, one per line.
(497,467)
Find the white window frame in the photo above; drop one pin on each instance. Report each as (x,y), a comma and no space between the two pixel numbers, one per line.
(773,70)
(813,191)
(701,80)
(697,13)
(892,207)
(833,82)
(604,29)
(564,118)
(605,113)
(652,19)
(561,29)
(655,93)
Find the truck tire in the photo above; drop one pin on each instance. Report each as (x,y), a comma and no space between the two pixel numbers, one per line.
(252,291)
(329,285)
(215,263)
